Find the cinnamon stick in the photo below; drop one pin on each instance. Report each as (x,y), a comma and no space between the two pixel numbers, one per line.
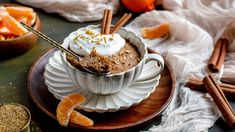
(104,21)
(220,100)
(121,22)
(108,22)
(197,85)
(218,55)
(222,54)
(107,18)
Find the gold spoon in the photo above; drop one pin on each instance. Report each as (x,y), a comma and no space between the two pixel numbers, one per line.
(57,45)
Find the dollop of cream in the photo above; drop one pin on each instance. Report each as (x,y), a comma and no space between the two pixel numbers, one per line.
(84,40)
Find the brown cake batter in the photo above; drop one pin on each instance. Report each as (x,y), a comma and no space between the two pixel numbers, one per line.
(125,59)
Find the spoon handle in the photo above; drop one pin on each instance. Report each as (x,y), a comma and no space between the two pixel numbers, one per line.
(49,40)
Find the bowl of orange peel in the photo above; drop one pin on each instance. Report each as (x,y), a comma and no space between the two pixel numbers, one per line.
(14,38)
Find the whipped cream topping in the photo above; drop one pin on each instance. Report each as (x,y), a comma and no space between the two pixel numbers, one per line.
(85,39)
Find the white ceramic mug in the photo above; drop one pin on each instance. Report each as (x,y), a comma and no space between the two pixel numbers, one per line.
(112,83)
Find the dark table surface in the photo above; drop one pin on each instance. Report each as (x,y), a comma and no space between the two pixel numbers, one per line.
(14,72)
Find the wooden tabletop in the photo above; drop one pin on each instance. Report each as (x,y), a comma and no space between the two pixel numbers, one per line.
(14,72)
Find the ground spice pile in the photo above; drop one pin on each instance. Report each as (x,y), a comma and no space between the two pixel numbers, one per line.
(13,118)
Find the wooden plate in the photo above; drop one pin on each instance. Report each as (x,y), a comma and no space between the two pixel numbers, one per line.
(134,117)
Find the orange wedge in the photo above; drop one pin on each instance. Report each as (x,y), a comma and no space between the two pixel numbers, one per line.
(13,25)
(1,24)
(3,12)
(79,119)
(8,37)
(23,19)
(27,20)
(66,106)
(20,11)
(31,20)
(156,31)
(4,30)
(2,37)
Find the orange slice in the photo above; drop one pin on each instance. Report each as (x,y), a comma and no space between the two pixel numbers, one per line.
(13,25)
(1,24)
(3,12)
(156,31)
(31,20)
(66,106)
(23,19)
(20,11)
(4,30)
(9,36)
(2,37)
(79,119)
(27,20)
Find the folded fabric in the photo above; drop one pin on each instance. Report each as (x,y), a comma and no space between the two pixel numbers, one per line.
(215,17)
(75,10)
(229,68)
(195,27)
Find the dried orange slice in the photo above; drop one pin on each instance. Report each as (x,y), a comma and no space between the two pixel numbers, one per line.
(66,106)
(156,31)
(13,25)
(79,119)
(20,11)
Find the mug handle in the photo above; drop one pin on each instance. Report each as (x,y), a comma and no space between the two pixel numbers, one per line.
(160,62)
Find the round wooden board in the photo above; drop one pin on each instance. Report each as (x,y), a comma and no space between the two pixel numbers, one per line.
(134,117)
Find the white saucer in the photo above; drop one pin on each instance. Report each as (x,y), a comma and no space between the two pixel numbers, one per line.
(60,85)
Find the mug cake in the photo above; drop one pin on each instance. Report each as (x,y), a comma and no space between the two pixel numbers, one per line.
(124,55)
(118,53)
(102,52)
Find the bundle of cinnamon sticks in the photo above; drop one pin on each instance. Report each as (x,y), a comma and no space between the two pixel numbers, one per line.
(217,58)
(107,19)
(217,92)
(220,100)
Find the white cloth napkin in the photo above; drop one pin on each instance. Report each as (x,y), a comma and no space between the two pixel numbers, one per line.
(195,27)
(75,10)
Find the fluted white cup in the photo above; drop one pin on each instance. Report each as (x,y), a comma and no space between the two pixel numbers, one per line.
(111,83)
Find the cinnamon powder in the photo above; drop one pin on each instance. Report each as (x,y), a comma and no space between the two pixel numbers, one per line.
(12,118)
